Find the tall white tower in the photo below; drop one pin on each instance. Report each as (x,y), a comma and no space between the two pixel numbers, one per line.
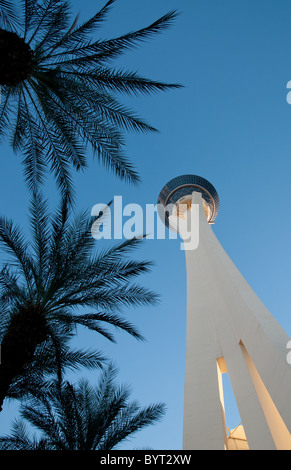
(228,330)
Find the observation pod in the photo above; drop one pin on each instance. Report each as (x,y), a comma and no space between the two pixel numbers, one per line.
(229,330)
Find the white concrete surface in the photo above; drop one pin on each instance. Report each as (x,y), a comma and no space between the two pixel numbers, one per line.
(226,320)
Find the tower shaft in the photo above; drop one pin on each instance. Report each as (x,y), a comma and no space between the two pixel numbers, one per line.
(229,329)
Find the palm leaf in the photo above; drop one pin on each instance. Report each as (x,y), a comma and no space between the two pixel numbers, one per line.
(8,15)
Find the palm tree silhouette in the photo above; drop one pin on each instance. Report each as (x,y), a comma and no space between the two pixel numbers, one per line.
(81,417)
(59,86)
(47,288)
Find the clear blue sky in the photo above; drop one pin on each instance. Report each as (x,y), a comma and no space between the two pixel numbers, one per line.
(231,124)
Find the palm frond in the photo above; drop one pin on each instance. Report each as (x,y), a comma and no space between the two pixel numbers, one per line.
(5,112)
(93,321)
(95,52)
(8,15)
(13,242)
(34,161)
(40,232)
(19,440)
(79,34)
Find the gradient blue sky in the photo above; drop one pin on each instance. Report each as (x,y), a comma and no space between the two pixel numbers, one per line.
(231,124)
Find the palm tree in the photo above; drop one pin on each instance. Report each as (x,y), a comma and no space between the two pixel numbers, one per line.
(42,286)
(59,90)
(81,417)
(53,360)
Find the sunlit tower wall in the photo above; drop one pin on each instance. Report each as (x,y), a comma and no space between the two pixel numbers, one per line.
(229,330)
